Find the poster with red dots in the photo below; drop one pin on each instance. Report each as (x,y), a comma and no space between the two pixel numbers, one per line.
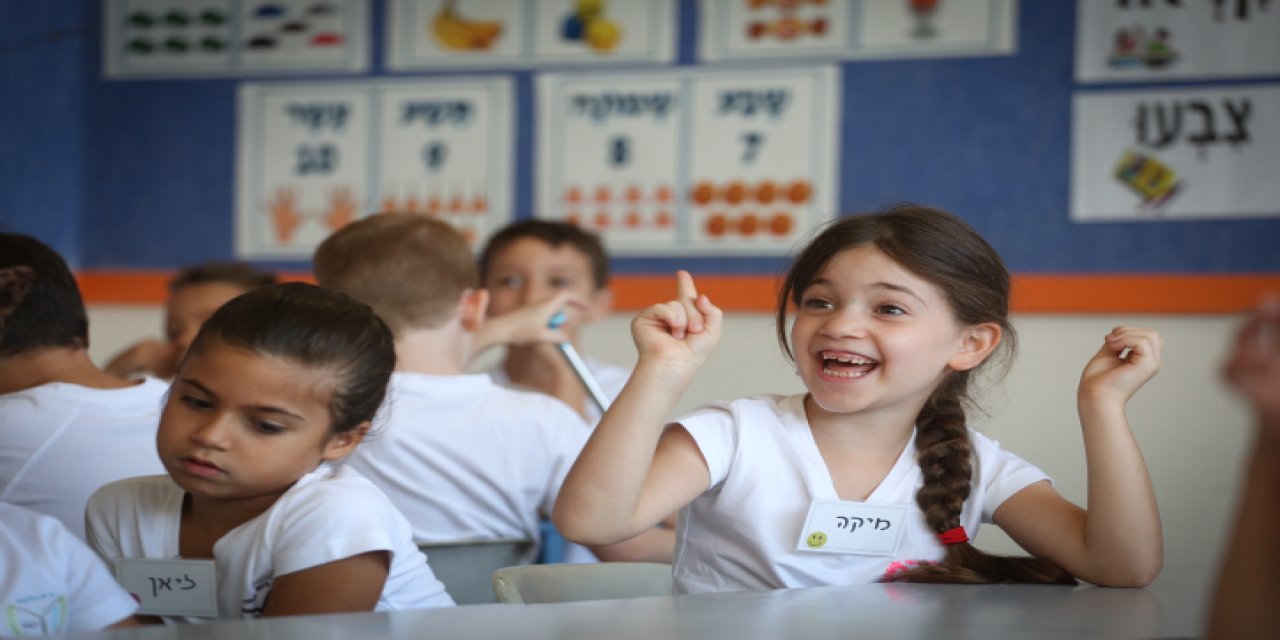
(691,162)
(314,156)
(431,34)
(200,38)
(851,29)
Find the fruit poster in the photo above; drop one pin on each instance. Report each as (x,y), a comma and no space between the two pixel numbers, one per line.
(1156,41)
(852,29)
(431,34)
(1176,154)
(311,157)
(690,162)
(198,38)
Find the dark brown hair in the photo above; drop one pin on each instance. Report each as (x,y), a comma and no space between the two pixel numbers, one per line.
(239,274)
(52,315)
(555,234)
(314,327)
(410,268)
(944,250)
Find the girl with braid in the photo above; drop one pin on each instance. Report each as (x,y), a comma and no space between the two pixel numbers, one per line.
(873,474)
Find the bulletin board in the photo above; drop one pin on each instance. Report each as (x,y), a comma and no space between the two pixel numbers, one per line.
(989,137)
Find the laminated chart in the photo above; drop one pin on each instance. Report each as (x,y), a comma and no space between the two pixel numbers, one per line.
(692,162)
(197,38)
(853,29)
(1203,153)
(431,34)
(313,156)
(1161,41)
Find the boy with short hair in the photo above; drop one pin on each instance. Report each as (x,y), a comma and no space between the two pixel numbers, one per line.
(530,261)
(462,456)
(66,427)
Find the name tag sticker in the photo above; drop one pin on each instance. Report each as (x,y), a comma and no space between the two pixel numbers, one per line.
(836,526)
(171,587)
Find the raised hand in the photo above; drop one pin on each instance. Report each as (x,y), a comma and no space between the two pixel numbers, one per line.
(1253,366)
(681,332)
(1108,375)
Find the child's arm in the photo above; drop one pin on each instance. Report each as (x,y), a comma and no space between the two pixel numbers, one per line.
(632,474)
(528,324)
(349,584)
(152,356)
(1244,603)
(1117,542)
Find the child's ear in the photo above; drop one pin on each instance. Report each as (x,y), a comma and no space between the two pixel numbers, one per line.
(475,304)
(599,305)
(343,444)
(976,343)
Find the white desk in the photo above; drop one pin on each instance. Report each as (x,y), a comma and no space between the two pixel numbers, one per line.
(1171,608)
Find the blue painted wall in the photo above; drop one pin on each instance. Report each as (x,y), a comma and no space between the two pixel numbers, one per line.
(139,173)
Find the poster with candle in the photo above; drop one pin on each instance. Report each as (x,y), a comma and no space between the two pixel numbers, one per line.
(758,29)
(695,162)
(200,38)
(312,157)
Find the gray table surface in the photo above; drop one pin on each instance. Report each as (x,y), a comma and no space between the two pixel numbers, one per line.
(1173,607)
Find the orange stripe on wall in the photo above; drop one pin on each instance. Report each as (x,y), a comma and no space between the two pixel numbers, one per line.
(1032,293)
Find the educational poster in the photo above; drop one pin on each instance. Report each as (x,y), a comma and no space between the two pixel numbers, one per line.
(691,162)
(199,38)
(1153,41)
(1161,155)
(746,29)
(313,157)
(434,34)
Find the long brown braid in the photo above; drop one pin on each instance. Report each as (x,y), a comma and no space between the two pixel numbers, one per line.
(946,251)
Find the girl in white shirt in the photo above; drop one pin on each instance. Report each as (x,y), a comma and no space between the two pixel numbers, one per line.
(279,385)
(873,474)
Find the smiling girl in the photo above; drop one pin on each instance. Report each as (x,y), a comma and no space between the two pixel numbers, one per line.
(278,387)
(873,473)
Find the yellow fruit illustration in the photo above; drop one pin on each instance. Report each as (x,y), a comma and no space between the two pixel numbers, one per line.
(603,35)
(455,32)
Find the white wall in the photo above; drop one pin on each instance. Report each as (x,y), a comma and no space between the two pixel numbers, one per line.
(1191,428)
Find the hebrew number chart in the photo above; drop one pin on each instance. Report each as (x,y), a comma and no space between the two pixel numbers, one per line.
(696,162)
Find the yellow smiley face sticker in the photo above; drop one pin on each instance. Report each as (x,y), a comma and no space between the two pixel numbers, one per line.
(816,539)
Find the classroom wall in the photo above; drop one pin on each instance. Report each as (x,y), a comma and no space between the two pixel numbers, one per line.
(1191,429)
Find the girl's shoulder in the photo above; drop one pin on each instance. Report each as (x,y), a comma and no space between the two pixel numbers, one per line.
(139,490)
(338,487)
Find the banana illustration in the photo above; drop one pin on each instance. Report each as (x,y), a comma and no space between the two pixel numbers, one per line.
(460,34)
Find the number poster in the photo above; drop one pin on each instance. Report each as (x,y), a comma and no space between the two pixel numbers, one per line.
(745,29)
(1157,41)
(431,34)
(312,157)
(177,38)
(1192,153)
(684,162)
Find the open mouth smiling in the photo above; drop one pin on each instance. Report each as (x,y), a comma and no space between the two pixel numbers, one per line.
(839,364)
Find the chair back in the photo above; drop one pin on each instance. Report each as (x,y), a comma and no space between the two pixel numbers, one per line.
(466,567)
(541,583)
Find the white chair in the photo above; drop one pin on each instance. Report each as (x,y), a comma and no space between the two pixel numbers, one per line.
(465,567)
(541,583)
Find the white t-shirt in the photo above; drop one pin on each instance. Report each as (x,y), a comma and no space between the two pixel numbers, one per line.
(610,377)
(59,442)
(51,583)
(329,514)
(466,458)
(741,534)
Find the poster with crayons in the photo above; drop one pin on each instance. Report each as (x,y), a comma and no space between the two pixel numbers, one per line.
(1158,41)
(312,157)
(434,34)
(690,162)
(757,29)
(1203,153)
(200,38)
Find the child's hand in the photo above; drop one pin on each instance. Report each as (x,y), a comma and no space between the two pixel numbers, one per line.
(530,323)
(1109,376)
(683,331)
(1254,365)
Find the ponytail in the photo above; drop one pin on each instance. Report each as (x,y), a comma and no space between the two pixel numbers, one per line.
(945,455)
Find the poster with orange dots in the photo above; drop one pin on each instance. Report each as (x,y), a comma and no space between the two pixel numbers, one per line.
(852,29)
(312,157)
(692,162)
(198,38)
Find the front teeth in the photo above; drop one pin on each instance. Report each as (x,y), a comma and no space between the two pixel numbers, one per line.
(846,358)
